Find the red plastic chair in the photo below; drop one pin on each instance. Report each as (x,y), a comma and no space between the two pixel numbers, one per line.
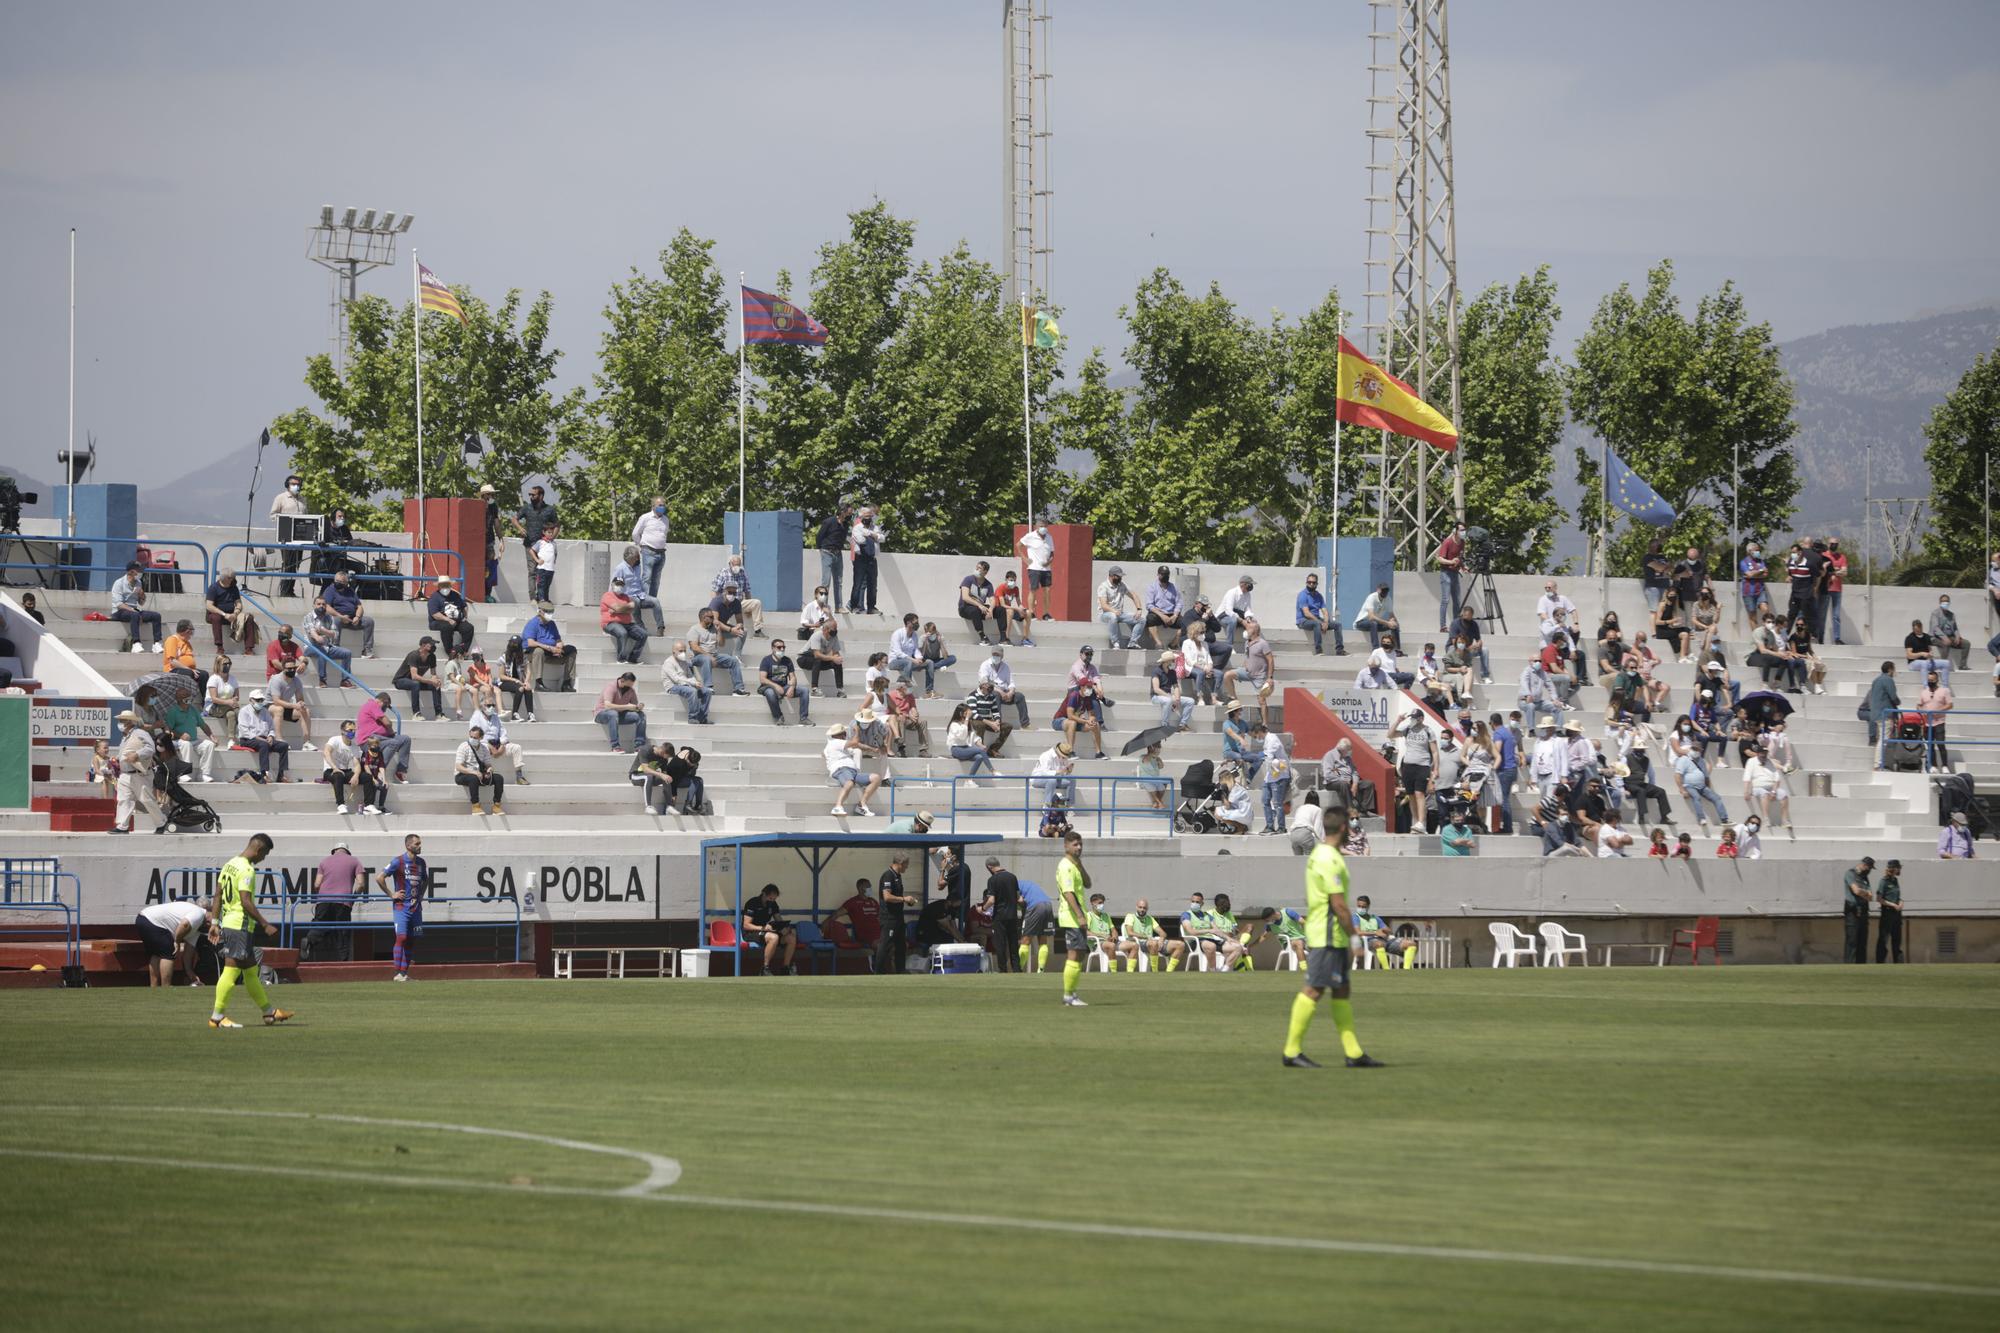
(722,934)
(1697,939)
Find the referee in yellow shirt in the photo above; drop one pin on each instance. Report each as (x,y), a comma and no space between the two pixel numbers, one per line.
(1329,927)
(1072,892)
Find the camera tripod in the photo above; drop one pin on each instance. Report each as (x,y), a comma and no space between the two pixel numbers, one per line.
(1482,587)
(12,543)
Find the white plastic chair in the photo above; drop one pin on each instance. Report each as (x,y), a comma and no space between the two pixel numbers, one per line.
(1197,957)
(1105,961)
(1364,956)
(1288,958)
(1556,946)
(1510,945)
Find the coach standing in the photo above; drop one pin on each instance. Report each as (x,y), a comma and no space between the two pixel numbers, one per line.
(1854,910)
(1003,899)
(893,951)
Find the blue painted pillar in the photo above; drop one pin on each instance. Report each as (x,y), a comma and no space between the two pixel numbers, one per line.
(107,525)
(774,539)
(1364,564)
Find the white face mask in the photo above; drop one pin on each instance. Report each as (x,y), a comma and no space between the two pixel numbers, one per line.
(293,488)
(1944,603)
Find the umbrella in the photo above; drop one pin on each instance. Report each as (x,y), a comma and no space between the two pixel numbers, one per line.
(159,692)
(1766,705)
(1151,736)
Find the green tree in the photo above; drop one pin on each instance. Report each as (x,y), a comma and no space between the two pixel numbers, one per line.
(1306,365)
(666,404)
(486,380)
(1675,398)
(1090,418)
(1962,440)
(1511,417)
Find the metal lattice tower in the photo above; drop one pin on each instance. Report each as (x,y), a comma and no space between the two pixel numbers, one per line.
(347,249)
(1412,296)
(1025,191)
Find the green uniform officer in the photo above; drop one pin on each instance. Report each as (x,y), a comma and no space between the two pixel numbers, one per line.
(1329,929)
(1072,890)
(1854,910)
(1889,933)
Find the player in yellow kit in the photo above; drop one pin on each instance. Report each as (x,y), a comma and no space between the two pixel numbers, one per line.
(1329,928)
(231,911)
(1072,891)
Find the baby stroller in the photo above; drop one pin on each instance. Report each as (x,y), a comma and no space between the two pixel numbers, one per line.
(186,812)
(1201,797)
(1905,750)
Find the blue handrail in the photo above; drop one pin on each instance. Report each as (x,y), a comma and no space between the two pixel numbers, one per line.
(317,655)
(40,875)
(289,923)
(1034,799)
(458,561)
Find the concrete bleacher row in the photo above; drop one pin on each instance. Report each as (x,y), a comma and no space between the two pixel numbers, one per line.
(764,777)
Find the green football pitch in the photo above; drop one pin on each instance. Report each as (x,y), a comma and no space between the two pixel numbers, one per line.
(1811,1147)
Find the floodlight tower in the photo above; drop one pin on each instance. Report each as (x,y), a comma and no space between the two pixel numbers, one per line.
(1025,191)
(1413,262)
(348,248)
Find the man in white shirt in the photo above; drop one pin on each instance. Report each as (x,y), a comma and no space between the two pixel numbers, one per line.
(1375,618)
(128,606)
(864,541)
(1612,839)
(1235,608)
(1118,610)
(649,534)
(906,648)
(1040,551)
(1554,611)
(996,670)
(256,731)
(679,678)
(1052,773)
(169,931)
(1380,671)
(499,744)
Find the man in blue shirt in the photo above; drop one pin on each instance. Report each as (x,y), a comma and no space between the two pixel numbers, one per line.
(1038,925)
(628,579)
(1507,770)
(407,878)
(1312,616)
(1163,609)
(542,639)
(344,600)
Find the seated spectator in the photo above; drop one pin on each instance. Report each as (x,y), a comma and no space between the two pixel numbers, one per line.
(342,764)
(816,611)
(1008,600)
(472,768)
(983,717)
(617,616)
(764,926)
(1381,671)
(1801,644)
(343,601)
(1955,839)
(1118,610)
(514,681)
(906,723)
(686,793)
(1239,745)
(1612,839)
(373,724)
(871,748)
(875,681)
(1196,668)
(1558,828)
(1236,813)
(1203,932)
(220,696)
(996,670)
(618,705)
(288,703)
(226,610)
(1375,618)
(1704,624)
(1459,837)
(649,773)
(450,616)
(1052,774)
(419,672)
(500,745)
(1373,934)
(824,652)
(965,744)
(1456,668)
(1749,839)
(1692,780)
(730,629)
(1310,613)
(1555,613)
(629,578)
(1078,713)
(257,732)
(1259,670)
(735,581)
(283,650)
(933,657)
(709,643)
(1176,709)
(1656,846)
(1946,641)
(1055,819)
(1726,847)
(777,681)
(905,648)
(1611,648)
(177,654)
(1235,608)
(322,643)
(977,604)
(542,640)
(857,922)
(1163,609)
(1207,626)
(1336,771)
(128,606)
(472,678)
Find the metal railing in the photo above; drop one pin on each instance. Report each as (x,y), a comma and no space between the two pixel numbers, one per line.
(313,652)
(290,924)
(1933,717)
(55,568)
(34,884)
(415,576)
(1035,793)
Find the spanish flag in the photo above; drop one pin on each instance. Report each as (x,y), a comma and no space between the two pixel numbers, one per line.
(432,294)
(1368,395)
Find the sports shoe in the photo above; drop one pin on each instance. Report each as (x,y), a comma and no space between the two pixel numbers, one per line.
(739,690)
(307,745)
(340,809)
(839,812)
(522,778)
(137,648)
(533,718)
(1074,1002)
(277,1016)
(1301,1062)
(867,813)
(1363,1062)
(1027,642)
(222,1021)
(371,810)
(400,976)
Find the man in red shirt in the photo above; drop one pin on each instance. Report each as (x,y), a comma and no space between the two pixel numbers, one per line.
(856,923)
(615,617)
(1451,559)
(1556,662)
(281,650)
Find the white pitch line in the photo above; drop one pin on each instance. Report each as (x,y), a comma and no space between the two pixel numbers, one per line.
(1312,1244)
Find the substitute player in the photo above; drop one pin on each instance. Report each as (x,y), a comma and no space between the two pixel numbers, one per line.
(406,877)
(1329,927)
(1072,888)
(230,911)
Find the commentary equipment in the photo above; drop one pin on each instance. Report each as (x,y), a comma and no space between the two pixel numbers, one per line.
(1480,548)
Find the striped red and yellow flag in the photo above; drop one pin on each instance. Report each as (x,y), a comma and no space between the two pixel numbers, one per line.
(1368,395)
(432,294)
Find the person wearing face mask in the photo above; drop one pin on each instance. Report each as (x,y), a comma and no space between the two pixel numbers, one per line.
(733,583)
(1753,573)
(541,638)
(493,545)
(1040,552)
(1118,610)
(289,502)
(529,521)
(1163,609)
(629,579)
(1946,641)
(995,671)
(649,534)
(1836,581)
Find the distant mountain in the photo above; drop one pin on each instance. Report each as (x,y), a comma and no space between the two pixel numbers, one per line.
(42,490)
(215,492)
(1875,383)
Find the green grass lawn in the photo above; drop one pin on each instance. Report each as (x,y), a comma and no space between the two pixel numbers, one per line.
(1816,1120)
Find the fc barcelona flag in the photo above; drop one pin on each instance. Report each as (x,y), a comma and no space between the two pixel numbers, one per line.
(432,294)
(772,319)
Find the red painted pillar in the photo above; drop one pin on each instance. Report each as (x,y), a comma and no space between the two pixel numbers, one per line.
(1316,728)
(1071,595)
(455,524)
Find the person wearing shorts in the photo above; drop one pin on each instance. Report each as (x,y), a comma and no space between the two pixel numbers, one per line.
(166,929)
(230,913)
(1329,931)
(1038,926)
(1072,890)
(407,877)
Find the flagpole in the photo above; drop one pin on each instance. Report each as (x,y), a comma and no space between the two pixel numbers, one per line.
(742,410)
(69,465)
(1027,411)
(1603,526)
(417,333)
(1333,573)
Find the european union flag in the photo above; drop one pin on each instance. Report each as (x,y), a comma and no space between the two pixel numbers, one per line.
(1628,491)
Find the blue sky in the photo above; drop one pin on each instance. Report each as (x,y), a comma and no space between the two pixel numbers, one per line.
(1832,158)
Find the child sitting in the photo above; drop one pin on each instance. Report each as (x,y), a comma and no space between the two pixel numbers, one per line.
(1684,847)
(1727,847)
(1659,846)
